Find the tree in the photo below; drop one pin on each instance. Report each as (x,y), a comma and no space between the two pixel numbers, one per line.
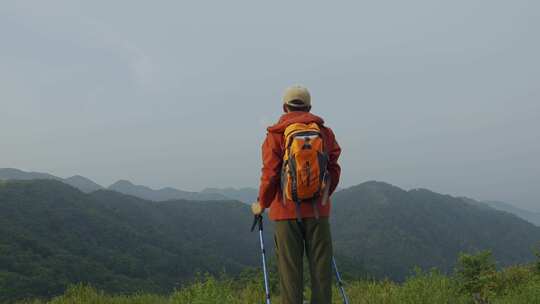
(476,274)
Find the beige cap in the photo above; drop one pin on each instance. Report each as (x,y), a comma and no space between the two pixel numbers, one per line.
(298,93)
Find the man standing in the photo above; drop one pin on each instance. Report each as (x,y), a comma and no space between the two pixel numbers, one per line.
(300,171)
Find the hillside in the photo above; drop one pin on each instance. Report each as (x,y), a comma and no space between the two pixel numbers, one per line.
(52,234)
(388,230)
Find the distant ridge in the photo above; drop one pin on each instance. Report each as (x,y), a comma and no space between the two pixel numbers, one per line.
(163,194)
(12,173)
(246,195)
(530,216)
(82,183)
(87,185)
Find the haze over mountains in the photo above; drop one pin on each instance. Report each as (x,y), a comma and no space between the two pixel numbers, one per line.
(86,185)
(246,195)
(163,194)
(82,183)
(533,217)
(52,234)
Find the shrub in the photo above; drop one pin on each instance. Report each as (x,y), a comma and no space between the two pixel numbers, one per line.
(537,263)
(513,278)
(529,293)
(430,287)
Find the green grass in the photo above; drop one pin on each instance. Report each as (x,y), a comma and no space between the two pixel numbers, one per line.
(519,284)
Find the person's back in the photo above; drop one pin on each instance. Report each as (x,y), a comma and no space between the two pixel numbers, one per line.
(301,224)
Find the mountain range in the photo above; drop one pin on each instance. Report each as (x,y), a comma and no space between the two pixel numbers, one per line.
(52,235)
(246,195)
(86,185)
(163,194)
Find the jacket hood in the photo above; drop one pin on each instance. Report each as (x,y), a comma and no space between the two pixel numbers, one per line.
(294,117)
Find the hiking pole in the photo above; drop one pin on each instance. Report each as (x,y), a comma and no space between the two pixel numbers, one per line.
(340,282)
(259,219)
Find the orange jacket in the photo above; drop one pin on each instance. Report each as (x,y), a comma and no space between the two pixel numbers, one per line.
(273,149)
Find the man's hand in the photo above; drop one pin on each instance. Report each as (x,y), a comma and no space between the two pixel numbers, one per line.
(256,208)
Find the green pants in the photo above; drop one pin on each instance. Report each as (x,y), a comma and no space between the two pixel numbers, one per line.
(291,238)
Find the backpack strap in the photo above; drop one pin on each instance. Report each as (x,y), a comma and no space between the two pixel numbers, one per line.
(327,178)
(283,181)
(294,190)
(315,208)
(326,191)
(298,212)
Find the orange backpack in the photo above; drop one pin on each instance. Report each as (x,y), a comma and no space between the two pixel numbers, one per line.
(304,176)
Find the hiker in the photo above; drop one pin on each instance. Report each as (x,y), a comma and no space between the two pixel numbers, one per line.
(308,170)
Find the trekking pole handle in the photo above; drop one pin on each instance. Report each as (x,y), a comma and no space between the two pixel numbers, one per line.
(257,219)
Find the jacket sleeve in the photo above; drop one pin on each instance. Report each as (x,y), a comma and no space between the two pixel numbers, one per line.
(271,169)
(334,151)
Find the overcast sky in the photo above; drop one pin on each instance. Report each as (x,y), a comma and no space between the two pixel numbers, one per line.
(443,95)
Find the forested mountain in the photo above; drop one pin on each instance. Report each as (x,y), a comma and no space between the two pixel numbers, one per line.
(388,230)
(530,216)
(52,234)
(163,194)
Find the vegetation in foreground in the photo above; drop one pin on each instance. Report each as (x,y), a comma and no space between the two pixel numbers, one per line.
(475,281)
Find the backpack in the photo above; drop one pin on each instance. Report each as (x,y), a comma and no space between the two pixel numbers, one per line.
(304,175)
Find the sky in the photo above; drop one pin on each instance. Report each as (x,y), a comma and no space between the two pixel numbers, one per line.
(443,95)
